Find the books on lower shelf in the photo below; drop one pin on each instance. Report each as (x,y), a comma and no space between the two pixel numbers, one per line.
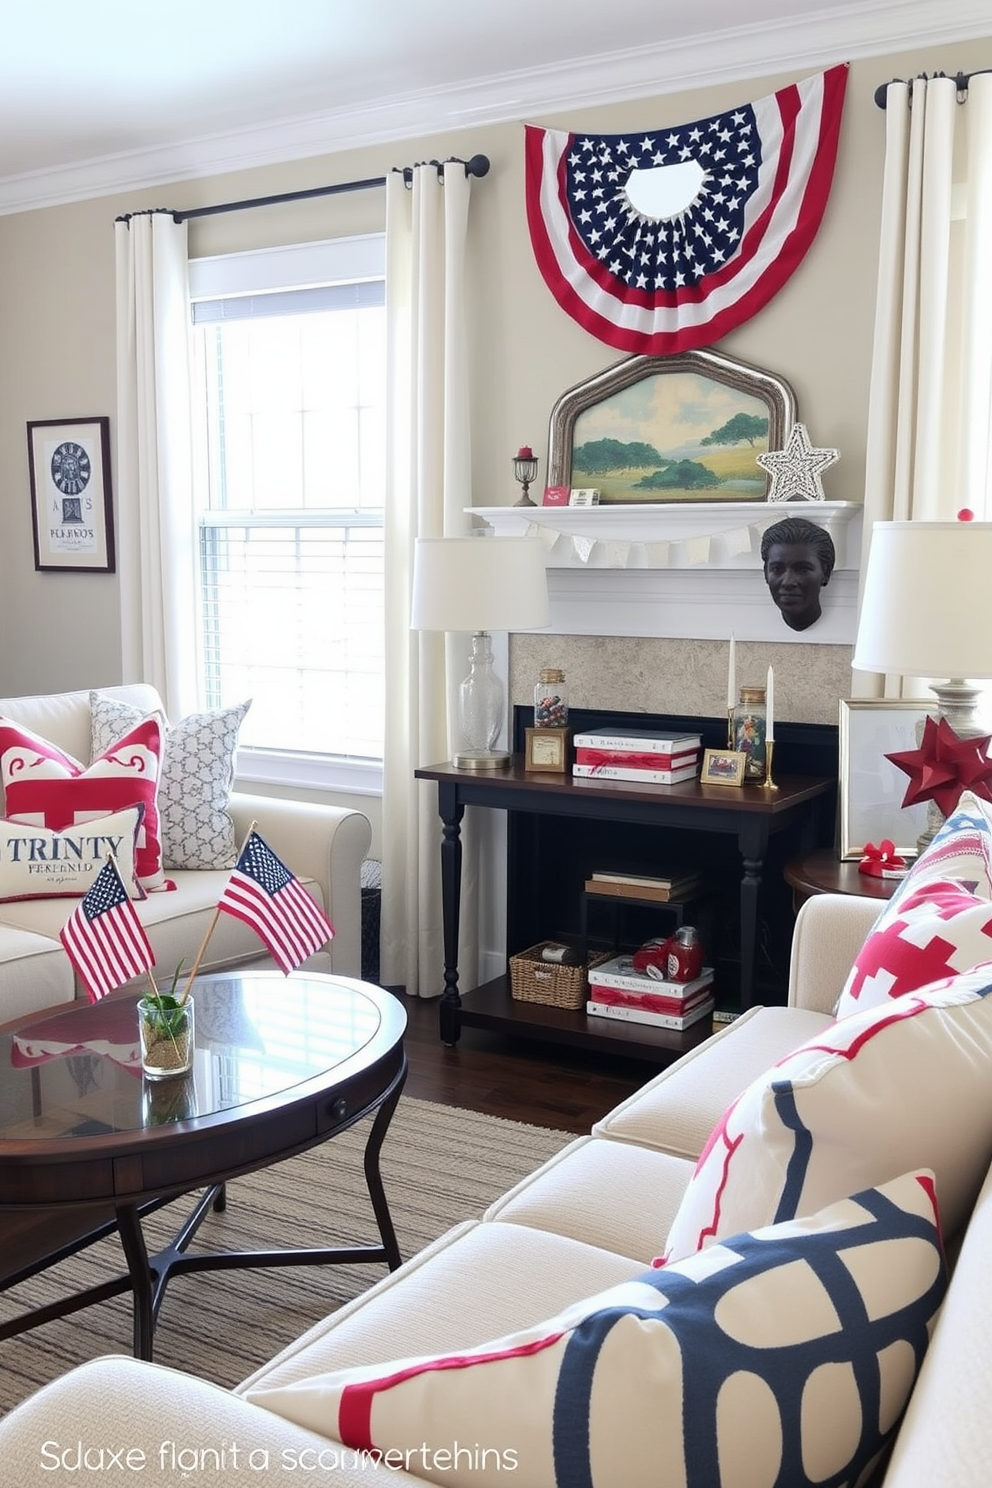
(645,777)
(661,890)
(641,741)
(620,974)
(609,1012)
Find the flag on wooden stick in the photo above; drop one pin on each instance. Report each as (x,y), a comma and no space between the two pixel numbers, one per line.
(265,895)
(103,937)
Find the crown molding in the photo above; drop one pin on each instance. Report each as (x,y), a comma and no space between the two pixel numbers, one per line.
(816,39)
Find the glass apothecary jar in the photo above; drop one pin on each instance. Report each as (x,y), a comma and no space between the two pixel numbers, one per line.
(551,699)
(749,723)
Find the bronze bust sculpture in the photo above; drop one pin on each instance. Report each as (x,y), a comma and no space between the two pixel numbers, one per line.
(798,559)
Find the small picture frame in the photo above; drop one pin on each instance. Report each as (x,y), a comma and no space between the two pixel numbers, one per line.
(71,505)
(547,749)
(723,767)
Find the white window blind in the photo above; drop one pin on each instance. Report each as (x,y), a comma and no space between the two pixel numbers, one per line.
(289,398)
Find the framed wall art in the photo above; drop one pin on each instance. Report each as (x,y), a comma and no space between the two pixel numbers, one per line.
(871,787)
(671,428)
(71,501)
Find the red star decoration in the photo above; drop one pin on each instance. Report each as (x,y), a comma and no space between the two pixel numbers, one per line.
(944,765)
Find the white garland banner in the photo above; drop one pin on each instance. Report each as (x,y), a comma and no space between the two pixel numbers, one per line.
(697,549)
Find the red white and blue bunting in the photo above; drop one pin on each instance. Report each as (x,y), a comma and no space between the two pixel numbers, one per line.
(745,194)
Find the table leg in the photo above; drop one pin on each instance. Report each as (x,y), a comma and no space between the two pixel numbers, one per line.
(753,841)
(142,1285)
(451,812)
(373,1176)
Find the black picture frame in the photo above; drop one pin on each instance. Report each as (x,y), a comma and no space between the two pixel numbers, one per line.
(72,514)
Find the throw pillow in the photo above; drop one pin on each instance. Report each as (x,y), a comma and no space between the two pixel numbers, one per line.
(936,930)
(38,863)
(871,1096)
(961,850)
(47,788)
(789,1352)
(196,779)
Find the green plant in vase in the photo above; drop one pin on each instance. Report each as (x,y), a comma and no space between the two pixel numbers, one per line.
(165,1025)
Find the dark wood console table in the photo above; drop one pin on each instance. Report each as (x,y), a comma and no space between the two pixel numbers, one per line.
(750,814)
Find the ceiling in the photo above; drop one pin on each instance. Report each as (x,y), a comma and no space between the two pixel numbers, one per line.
(99,95)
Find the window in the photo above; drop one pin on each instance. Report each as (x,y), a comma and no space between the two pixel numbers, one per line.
(289,421)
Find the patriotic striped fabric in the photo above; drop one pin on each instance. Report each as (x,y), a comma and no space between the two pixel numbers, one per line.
(103,937)
(663,240)
(265,895)
(781,1356)
(873,1094)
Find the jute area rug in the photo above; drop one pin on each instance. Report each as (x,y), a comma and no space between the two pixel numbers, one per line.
(439,1166)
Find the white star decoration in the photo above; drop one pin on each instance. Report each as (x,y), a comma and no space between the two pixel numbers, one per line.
(796,470)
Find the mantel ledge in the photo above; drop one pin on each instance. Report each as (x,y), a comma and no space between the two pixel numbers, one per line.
(732,528)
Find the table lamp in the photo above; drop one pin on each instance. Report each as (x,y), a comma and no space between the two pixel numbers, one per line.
(480,584)
(926,611)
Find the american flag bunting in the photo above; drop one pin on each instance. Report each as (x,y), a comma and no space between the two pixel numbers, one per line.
(744,195)
(265,895)
(103,937)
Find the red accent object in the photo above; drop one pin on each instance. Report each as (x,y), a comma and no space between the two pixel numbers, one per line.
(633,760)
(881,861)
(944,766)
(556,496)
(653,953)
(608,256)
(966,514)
(525,452)
(685,958)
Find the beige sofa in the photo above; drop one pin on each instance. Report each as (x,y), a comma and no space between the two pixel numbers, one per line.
(323,845)
(592,1217)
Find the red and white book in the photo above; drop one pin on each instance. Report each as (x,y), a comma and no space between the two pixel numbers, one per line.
(646,777)
(652,1020)
(651,1002)
(634,759)
(640,741)
(619,973)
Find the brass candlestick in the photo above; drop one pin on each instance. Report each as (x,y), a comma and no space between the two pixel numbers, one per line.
(731,741)
(769,783)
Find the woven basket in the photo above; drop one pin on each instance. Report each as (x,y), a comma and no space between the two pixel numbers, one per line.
(534,980)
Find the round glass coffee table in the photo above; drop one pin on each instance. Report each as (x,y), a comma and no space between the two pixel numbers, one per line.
(282,1064)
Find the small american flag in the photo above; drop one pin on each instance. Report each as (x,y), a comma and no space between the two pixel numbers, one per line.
(262,892)
(103,937)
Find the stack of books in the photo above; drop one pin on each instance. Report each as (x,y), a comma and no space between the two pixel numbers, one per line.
(663,889)
(616,990)
(637,755)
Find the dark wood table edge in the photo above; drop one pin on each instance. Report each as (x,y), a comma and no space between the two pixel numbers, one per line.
(148,1275)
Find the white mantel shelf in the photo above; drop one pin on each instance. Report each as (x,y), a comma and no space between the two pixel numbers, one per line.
(626,586)
(676,523)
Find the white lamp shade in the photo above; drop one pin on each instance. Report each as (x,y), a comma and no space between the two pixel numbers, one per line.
(926,610)
(479,583)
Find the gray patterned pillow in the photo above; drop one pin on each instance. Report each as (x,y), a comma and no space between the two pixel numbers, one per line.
(196,779)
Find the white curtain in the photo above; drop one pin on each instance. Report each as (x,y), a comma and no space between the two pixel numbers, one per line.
(154,466)
(428,487)
(929,404)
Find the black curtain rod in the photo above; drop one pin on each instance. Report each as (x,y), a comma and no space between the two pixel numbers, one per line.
(477,166)
(961,81)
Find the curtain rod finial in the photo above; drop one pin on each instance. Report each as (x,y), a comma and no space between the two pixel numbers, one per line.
(477,166)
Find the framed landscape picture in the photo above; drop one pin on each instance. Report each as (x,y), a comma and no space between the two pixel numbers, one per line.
(677,428)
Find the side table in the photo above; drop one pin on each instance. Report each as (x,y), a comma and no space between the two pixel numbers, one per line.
(823,872)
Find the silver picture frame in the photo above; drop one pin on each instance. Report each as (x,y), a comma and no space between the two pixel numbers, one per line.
(682,383)
(872,787)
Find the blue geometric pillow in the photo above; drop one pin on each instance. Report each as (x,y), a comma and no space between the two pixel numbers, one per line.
(781,1356)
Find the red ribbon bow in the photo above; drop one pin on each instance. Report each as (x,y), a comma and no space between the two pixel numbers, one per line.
(882,861)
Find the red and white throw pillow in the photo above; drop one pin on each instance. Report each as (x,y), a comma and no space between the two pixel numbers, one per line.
(861,1102)
(48,788)
(937,929)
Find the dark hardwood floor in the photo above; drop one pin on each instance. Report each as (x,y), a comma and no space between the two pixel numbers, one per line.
(519,1080)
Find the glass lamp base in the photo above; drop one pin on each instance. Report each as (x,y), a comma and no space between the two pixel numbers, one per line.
(482,759)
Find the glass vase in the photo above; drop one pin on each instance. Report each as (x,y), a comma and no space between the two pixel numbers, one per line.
(749,724)
(166,1031)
